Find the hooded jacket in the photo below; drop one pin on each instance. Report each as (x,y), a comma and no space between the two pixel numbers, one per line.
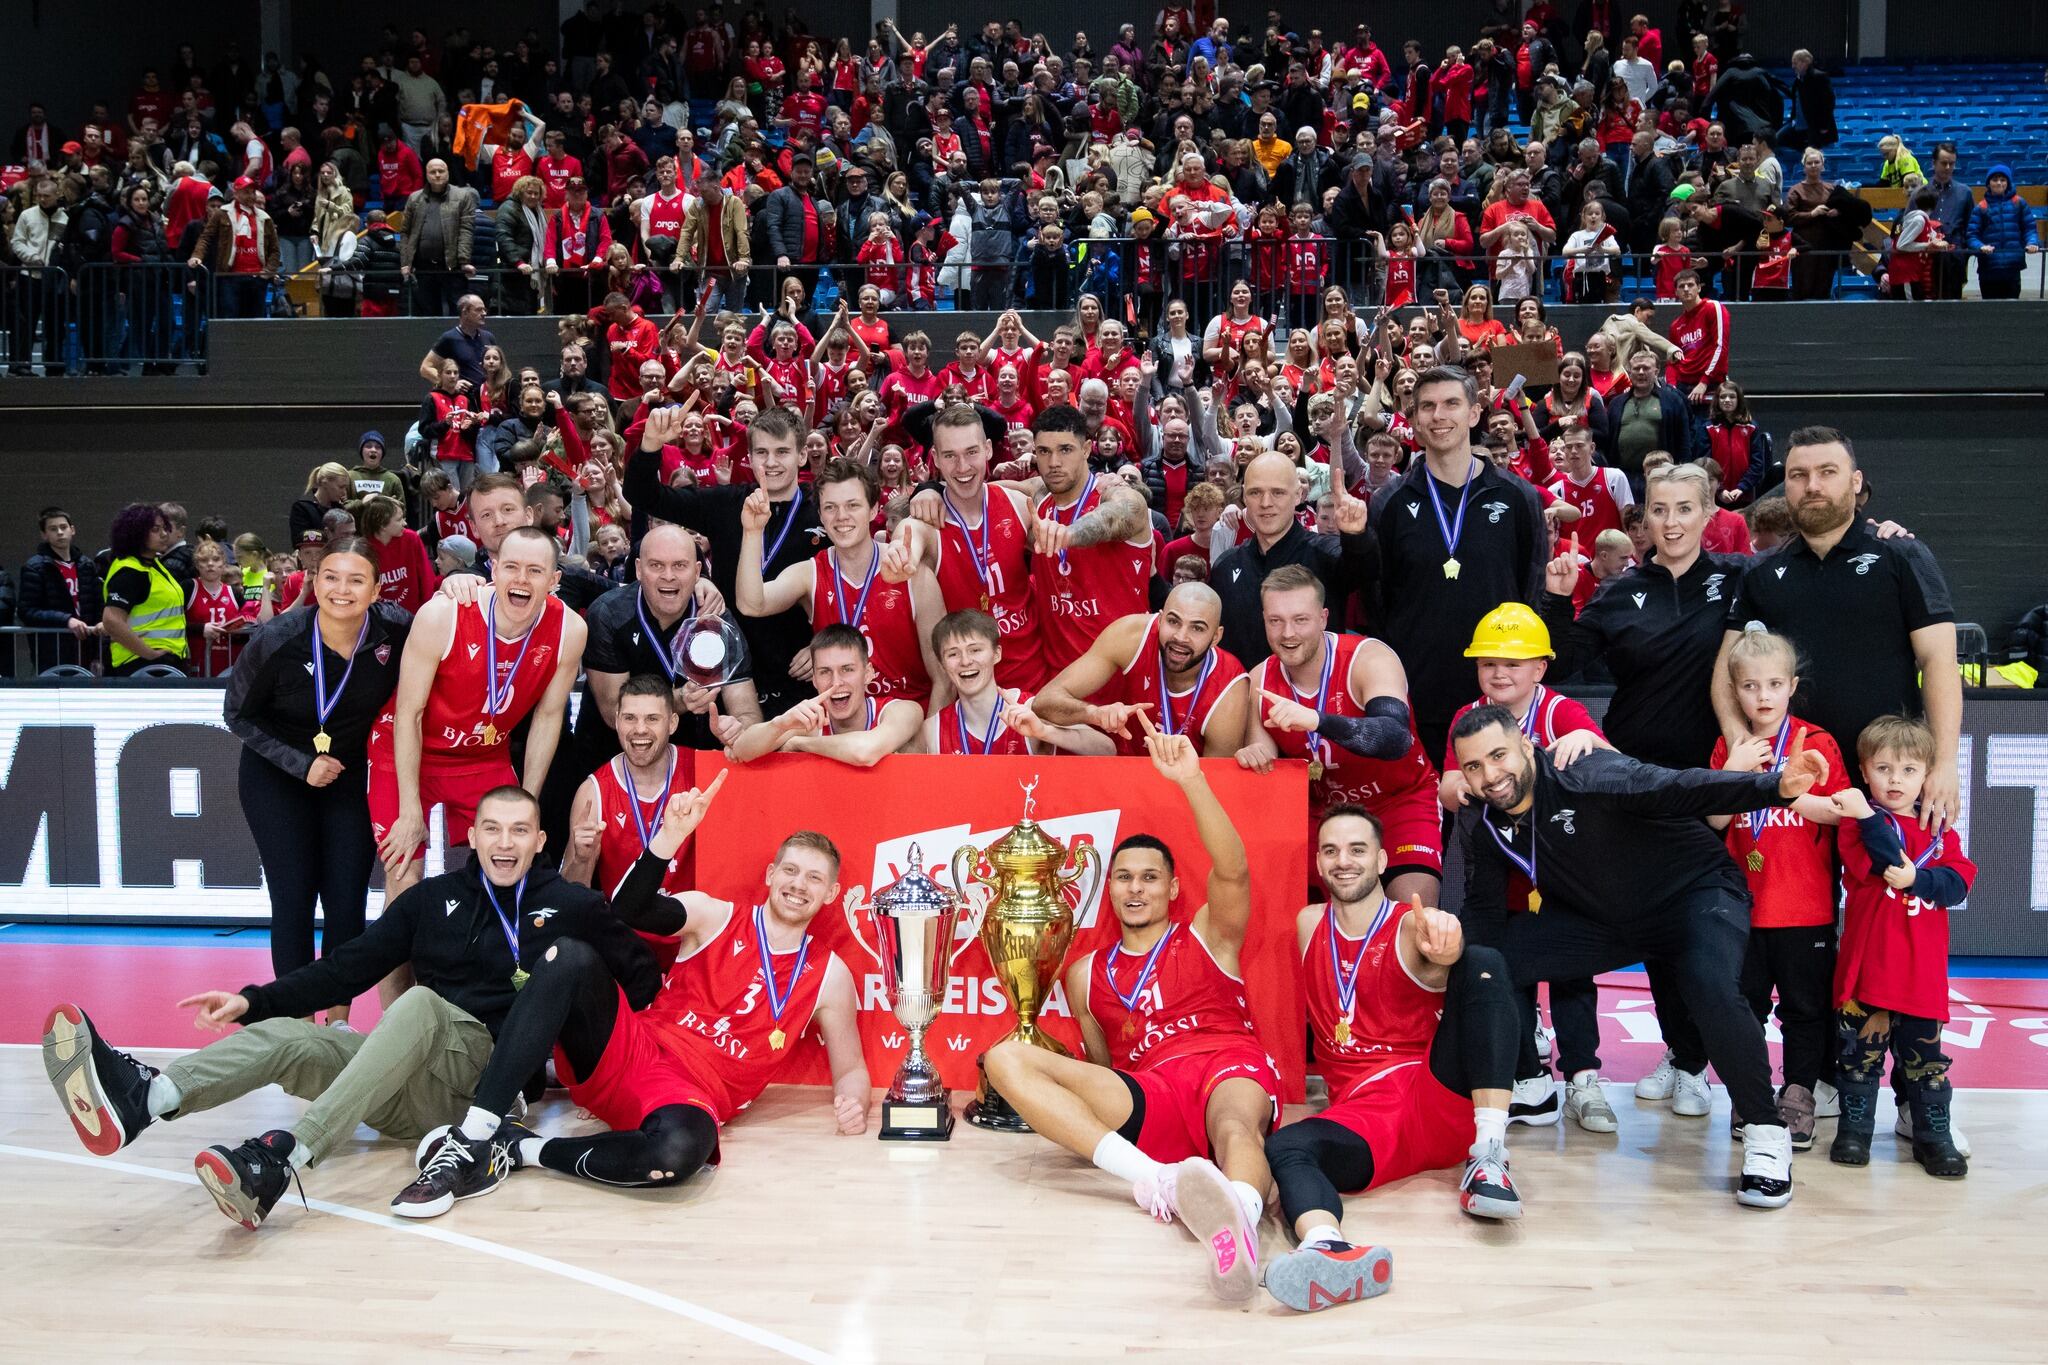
(365,480)
(2003,222)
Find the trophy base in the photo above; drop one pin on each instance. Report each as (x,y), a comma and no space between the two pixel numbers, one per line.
(988,1109)
(905,1121)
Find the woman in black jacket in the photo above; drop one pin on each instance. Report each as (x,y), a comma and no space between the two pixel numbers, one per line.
(291,207)
(302,698)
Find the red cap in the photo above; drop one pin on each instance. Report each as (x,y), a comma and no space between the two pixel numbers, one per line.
(71,149)
(243,182)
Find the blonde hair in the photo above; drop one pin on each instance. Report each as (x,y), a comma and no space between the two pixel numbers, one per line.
(1687,474)
(1759,646)
(1904,736)
(329,470)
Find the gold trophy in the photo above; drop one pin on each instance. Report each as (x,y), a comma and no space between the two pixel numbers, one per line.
(1025,930)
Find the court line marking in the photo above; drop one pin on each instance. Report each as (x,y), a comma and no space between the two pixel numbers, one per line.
(653,1298)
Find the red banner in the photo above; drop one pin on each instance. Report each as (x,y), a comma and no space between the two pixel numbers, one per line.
(943,803)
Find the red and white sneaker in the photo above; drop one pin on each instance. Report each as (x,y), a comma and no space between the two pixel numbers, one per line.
(1487,1191)
(1324,1274)
(1213,1211)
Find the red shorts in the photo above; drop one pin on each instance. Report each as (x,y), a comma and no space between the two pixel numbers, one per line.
(1176,1095)
(1411,1120)
(636,1076)
(455,788)
(1412,825)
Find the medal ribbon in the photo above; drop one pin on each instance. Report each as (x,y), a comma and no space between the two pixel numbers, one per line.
(496,698)
(995,723)
(1166,721)
(1507,846)
(511,925)
(647,829)
(1317,745)
(1347,981)
(1529,720)
(1151,964)
(1452,530)
(871,719)
(324,701)
(1075,515)
(1758,817)
(1928,854)
(860,608)
(788,521)
(980,554)
(778,1001)
(670,658)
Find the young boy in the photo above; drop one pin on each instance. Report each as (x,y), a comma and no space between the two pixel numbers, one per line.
(1891,978)
(984,718)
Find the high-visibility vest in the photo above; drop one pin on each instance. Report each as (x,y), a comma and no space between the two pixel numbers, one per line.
(160,619)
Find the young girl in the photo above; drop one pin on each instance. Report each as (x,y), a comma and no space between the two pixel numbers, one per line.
(213,613)
(1514,270)
(1734,440)
(1673,258)
(448,424)
(1789,858)
(1891,979)
(1590,255)
(1308,266)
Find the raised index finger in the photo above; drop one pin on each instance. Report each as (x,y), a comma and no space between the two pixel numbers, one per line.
(1138,712)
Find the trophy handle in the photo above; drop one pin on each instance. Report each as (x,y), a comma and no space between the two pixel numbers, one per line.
(1087,859)
(973,908)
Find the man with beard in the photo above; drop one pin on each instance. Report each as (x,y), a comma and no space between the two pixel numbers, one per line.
(845,721)
(618,809)
(1628,871)
(1170,664)
(1872,618)
(1415,1031)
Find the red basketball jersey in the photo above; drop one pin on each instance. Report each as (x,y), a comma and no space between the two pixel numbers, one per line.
(1080,593)
(1187,1005)
(886,622)
(1002,545)
(1599,500)
(1393,1017)
(621,845)
(453,726)
(217,608)
(1185,713)
(1006,741)
(1377,784)
(714,1012)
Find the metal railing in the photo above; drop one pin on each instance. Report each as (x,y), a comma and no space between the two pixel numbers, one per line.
(28,652)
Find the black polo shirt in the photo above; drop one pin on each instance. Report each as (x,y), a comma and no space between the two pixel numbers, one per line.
(620,642)
(1428,617)
(467,352)
(1852,615)
(1344,563)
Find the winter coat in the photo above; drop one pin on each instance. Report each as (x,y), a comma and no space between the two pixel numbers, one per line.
(2004,223)
(46,602)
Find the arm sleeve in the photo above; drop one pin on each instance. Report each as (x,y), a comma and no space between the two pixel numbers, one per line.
(1382,733)
(641,903)
(1939,885)
(127,589)
(346,972)
(250,686)
(1881,842)
(1923,592)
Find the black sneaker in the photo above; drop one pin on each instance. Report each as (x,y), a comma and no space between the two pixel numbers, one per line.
(247,1181)
(104,1092)
(1535,1102)
(460,1168)
(510,1130)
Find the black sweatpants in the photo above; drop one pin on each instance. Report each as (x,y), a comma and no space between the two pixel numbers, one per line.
(316,847)
(1316,1159)
(573,1000)
(1575,1013)
(1800,962)
(1699,939)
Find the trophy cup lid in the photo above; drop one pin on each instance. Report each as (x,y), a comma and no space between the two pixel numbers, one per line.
(914,893)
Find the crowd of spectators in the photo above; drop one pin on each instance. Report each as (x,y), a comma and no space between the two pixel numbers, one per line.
(1583,156)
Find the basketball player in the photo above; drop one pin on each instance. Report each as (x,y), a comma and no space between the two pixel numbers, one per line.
(1174,1074)
(426,1053)
(1170,664)
(1415,1030)
(1601,493)
(1091,541)
(879,590)
(984,717)
(748,982)
(845,720)
(1511,647)
(469,675)
(1341,702)
(981,552)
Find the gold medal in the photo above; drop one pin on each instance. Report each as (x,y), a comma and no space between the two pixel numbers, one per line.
(321,743)
(1316,770)
(1756,861)
(1535,901)
(1343,1032)
(490,733)
(1451,567)
(1130,1028)
(520,976)
(776,1039)
(985,602)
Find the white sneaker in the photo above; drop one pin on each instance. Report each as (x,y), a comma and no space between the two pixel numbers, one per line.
(1658,1084)
(1766,1167)
(1585,1103)
(1544,1038)
(1904,1128)
(1827,1101)
(1154,1193)
(1218,1218)
(1534,1102)
(1690,1097)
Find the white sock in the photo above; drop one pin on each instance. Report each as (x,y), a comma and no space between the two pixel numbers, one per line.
(529,1151)
(1122,1160)
(1254,1203)
(479,1124)
(164,1096)
(1489,1125)
(1322,1232)
(301,1155)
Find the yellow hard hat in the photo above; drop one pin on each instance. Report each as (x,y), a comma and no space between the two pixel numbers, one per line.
(1510,631)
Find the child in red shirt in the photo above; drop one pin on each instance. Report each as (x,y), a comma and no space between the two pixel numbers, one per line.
(1789,857)
(1891,978)
(1672,256)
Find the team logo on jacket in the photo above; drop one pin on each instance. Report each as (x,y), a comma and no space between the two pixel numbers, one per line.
(448,907)
(1714,581)
(1640,598)
(1495,511)
(1565,817)
(1414,509)
(1863,563)
(383,653)
(541,917)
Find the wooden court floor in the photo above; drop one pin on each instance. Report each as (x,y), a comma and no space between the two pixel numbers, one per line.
(810,1246)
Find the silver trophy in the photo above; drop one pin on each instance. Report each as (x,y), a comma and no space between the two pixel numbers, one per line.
(913,922)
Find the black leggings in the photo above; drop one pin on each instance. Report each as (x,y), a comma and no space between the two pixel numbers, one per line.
(315,845)
(1317,1159)
(1575,1011)
(572,1000)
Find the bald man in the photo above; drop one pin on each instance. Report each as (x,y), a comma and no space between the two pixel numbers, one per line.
(1169,665)
(1345,562)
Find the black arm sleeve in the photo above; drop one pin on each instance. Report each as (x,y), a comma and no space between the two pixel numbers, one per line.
(639,900)
(250,685)
(340,976)
(1940,886)
(1381,733)
(1881,842)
